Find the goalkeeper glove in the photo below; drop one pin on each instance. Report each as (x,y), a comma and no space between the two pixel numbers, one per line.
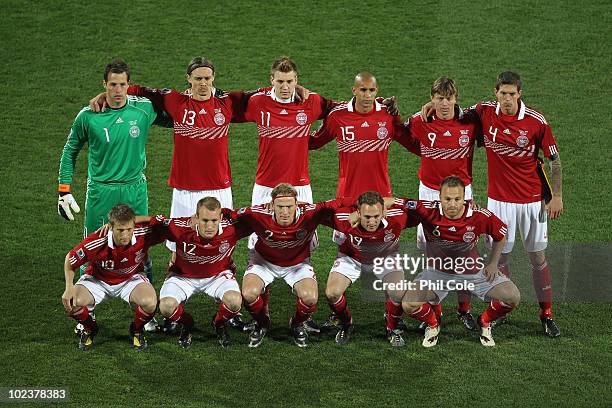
(65,204)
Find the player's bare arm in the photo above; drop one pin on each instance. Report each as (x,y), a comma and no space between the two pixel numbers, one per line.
(70,291)
(555,206)
(491,270)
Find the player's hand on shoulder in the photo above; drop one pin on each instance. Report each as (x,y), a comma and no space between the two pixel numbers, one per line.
(68,298)
(353,219)
(66,204)
(98,103)
(389,201)
(426,111)
(301,94)
(103,230)
(391,104)
(555,207)
(474,205)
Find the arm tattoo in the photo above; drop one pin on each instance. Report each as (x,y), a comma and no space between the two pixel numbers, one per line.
(556,170)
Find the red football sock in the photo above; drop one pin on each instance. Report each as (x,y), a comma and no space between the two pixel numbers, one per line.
(302,312)
(223,315)
(259,310)
(266,298)
(182,317)
(542,283)
(141,318)
(463,301)
(505,269)
(426,314)
(437,308)
(341,310)
(494,311)
(394,312)
(82,316)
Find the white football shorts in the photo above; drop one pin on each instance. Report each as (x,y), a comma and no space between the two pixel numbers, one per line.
(531,220)
(100,290)
(445,282)
(267,271)
(182,288)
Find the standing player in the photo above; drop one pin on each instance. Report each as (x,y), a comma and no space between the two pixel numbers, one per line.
(282,250)
(363,129)
(446,142)
(115,270)
(375,236)
(452,229)
(116,159)
(514,134)
(203,264)
(283,125)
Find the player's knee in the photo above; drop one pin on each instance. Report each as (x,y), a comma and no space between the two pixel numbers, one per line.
(250,293)
(309,297)
(148,303)
(333,294)
(167,306)
(232,300)
(410,306)
(537,258)
(514,297)
(82,300)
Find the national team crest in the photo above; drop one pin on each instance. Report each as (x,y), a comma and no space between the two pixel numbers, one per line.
(339,237)
(219,119)
(301,118)
(134,131)
(469,236)
(301,234)
(389,236)
(522,141)
(464,140)
(382,132)
(224,247)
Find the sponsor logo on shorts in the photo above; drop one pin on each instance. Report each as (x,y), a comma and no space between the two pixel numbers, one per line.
(301,118)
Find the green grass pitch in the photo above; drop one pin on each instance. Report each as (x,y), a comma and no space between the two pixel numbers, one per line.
(53,56)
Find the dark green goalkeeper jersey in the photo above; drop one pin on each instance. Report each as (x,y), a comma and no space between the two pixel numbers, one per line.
(116,142)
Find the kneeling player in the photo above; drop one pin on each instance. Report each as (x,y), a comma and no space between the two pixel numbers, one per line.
(115,270)
(282,251)
(204,256)
(375,236)
(452,229)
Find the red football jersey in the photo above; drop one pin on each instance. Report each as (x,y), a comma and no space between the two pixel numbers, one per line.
(290,245)
(453,243)
(283,136)
(364,246)
(513,144)
(447,146)
(200,134)
(363,147)
(114,265)
(197,257)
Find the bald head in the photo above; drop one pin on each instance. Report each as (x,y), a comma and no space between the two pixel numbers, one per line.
(364,76)
(365,90)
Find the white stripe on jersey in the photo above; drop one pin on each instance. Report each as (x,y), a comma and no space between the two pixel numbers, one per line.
(360,146)
(279,132)
(440,153)
(195,259)
(553,150)
(193,132)
(484,211)
(182,224)
(341,106)
(504,150)
(95,244)
(536,115)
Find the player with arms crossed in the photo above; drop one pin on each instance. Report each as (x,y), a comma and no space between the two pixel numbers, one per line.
(115,270)
(452,229)
(514,134)
(376,235)
(446,140)
(282,251)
